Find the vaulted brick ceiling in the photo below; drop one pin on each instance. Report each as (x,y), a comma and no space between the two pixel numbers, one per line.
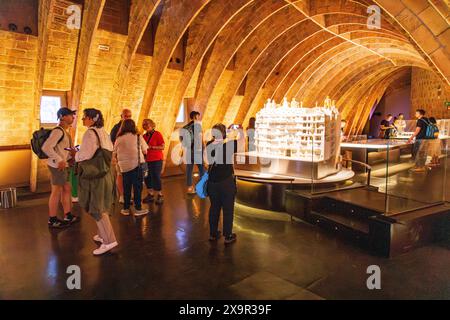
(306,49)
(239,53)
(227,56)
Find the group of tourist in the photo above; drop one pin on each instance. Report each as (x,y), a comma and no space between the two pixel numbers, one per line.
(137,158)
(389,129)
(423,146)
(115,166)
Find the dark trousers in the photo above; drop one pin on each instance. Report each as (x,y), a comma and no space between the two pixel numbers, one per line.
(415,149)
(132,180)
(153,179)
(190,170)
(222,195)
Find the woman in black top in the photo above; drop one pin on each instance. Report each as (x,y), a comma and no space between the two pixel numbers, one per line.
(221,183)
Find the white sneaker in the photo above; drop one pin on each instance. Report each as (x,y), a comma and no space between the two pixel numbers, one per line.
(97,238)
(104,248)
(141,212)
(121,199)
(125,212)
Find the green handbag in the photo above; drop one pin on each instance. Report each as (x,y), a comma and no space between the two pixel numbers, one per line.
(98,166)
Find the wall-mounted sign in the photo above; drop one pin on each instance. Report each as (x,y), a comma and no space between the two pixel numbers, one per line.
(103,47)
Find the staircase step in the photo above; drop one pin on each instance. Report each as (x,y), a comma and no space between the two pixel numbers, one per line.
(338,222)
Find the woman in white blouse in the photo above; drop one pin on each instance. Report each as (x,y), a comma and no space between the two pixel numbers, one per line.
(129,149)
(96,195)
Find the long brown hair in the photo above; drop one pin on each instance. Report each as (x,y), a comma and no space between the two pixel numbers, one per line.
(128,126)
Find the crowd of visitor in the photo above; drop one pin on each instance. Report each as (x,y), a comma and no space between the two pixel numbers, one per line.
(425,138)
(116,166)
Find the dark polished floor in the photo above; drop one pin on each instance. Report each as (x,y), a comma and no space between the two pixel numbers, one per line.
(166,255)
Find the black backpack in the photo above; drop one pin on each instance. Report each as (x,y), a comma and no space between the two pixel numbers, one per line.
(39,138)
(431,130)
(189,129)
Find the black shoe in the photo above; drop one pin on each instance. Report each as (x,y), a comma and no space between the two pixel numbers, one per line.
(57,224)
(149,198)
(71,219)
(216,237)
(230,239)
(160,199)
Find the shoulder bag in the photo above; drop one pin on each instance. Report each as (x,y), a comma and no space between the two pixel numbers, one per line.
(201,188)
(99,165)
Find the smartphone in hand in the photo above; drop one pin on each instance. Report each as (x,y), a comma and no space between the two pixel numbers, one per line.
(76,148)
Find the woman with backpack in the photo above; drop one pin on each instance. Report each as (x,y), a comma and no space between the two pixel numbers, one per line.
(129,150)
(95,180)
(154,158)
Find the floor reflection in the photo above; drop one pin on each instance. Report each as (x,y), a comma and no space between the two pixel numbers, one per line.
(167,255)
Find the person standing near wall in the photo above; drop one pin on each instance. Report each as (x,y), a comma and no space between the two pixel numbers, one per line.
(155,159)
(96,193)
(126,114)
(57,147)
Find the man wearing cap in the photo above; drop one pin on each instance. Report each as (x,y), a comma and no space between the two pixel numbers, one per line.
(58,148)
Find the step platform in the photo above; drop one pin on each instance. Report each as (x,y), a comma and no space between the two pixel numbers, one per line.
(359,215)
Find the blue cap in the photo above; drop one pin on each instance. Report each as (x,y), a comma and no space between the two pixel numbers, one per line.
(64,112)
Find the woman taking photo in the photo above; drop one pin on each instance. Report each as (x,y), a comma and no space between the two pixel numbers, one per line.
(221,183)
(155,157)
(95,181)
(129,150)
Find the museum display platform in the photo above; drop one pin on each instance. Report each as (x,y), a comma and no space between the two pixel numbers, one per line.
(358,214)
(303,166)
(267,191)
(385,223)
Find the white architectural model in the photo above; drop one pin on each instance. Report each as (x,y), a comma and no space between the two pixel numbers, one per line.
(305,134)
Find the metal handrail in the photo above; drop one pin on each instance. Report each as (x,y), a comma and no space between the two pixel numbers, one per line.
(256,179)
(368,168)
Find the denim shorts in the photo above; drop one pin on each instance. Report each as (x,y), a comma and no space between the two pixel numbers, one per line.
(58,177)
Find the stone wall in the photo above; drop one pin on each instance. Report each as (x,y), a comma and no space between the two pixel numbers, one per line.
(62,50)
(17,68)
(428,92)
